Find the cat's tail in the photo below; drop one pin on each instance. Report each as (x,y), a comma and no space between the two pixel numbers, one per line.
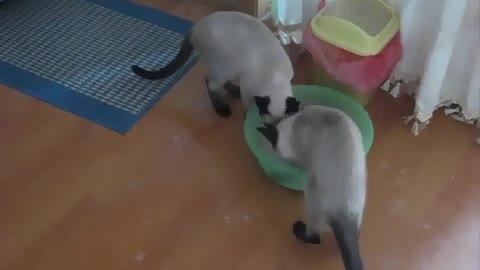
(180,59)
(346,232)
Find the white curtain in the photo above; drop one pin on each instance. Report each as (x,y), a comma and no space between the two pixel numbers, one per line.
(441,61)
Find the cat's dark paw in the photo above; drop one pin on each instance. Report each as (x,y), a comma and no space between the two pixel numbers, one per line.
(232,90)
(235,93)
(223,110)
(300,231)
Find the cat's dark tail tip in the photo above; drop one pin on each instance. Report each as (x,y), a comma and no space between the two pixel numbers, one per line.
(138,70)
(144,73)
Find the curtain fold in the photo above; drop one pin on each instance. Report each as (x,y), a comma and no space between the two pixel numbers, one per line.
(441,61)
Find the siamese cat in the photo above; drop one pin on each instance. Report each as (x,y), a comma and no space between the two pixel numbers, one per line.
(238,47)
(327,143)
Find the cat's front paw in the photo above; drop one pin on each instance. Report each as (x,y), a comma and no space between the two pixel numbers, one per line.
(232,89)
(300,231)
(223,110)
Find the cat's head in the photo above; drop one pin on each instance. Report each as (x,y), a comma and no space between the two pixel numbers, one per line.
(274,108)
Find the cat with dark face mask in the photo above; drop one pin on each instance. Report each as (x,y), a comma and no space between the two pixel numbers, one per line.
(238,47)
(326,142)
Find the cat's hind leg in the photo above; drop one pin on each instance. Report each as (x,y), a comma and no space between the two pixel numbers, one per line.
(309,232)
(214,89)
(306,233)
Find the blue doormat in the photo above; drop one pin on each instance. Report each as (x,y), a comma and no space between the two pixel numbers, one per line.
(77,54)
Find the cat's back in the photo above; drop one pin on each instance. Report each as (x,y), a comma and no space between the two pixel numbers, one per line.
(233,24)
(322,119)
(327,133)
(334,155)
(237,37)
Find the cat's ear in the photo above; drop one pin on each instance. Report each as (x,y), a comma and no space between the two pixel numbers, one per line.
(262,104)
(270,132)
(292,106)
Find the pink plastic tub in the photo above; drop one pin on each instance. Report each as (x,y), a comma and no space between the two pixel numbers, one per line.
(363,73)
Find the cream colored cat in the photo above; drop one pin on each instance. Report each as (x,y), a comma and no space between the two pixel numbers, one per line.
(238,47)
(327,143)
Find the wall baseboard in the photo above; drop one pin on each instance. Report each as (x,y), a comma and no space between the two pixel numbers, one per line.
(247,6)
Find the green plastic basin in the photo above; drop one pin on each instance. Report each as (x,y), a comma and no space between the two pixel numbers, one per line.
(280,170)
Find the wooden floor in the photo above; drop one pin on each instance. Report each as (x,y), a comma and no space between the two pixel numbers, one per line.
(181,191)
